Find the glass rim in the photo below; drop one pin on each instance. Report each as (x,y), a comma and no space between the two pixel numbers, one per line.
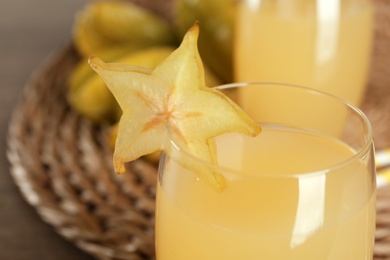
(324,170)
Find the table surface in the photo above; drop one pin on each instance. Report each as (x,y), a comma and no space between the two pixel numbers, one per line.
(29,31)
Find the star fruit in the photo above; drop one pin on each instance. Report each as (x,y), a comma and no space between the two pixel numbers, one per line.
(172,104)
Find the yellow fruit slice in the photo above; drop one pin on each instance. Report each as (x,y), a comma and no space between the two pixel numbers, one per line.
(112,134)
(171,103)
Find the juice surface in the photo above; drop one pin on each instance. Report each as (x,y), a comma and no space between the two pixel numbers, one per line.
(324,215)
(320,44)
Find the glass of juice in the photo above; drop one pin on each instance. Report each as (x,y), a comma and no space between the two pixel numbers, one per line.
(299,190)
(324,44)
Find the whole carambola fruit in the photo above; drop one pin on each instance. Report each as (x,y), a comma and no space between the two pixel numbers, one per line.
(216,19)
(104,24)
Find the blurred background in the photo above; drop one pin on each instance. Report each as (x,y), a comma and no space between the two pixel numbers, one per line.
(30,31)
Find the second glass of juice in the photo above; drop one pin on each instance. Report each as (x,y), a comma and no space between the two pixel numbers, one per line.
(324,44)
(300,190)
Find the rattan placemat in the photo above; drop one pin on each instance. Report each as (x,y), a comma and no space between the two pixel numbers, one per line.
(63,164)
(63,167)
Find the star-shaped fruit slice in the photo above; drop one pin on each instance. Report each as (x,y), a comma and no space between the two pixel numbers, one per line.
(171,104)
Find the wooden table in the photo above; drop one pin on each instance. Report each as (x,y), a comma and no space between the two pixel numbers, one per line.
(29,31)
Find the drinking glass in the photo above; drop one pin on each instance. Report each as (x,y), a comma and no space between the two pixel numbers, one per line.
(324,44)
(304,188)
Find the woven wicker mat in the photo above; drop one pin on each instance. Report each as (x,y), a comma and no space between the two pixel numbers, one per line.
(62,163)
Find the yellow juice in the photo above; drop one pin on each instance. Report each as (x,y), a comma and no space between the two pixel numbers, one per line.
(323,44)
(272,209)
